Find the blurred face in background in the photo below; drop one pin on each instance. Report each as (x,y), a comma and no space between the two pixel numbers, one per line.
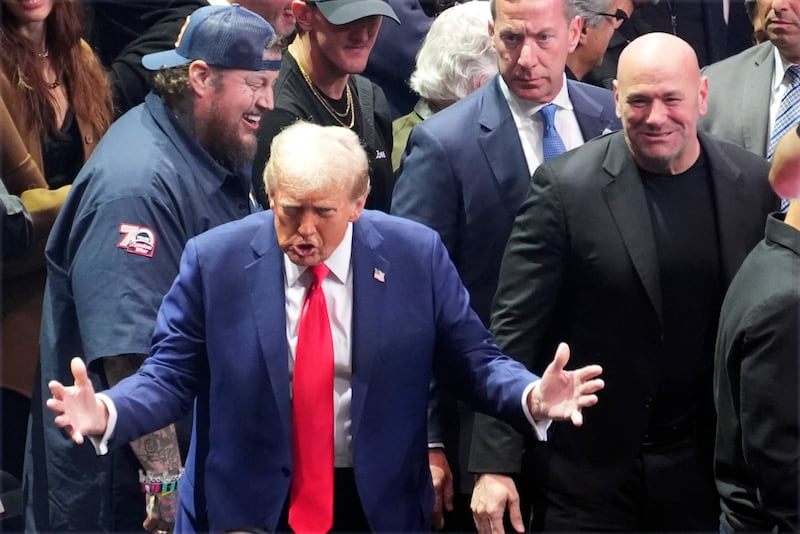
(595,39)
(782,25)
(277,12)
(27,12)
(337,50)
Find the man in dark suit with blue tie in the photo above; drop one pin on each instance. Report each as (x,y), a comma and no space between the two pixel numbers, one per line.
(230,331)
(466,169)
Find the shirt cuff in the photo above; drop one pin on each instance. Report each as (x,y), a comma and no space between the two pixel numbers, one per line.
(436,445)
(101,443)
(540,427)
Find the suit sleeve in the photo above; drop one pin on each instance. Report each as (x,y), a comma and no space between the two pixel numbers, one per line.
(769,407)
(530,278)
(466,361)
(426,190)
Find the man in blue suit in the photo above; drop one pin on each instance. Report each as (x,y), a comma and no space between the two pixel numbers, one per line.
(467,169)
(228,331)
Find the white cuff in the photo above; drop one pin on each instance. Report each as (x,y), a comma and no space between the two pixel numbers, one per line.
(101,443)
(540,427)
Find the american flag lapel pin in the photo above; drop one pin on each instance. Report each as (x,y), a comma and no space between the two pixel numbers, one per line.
(379,275)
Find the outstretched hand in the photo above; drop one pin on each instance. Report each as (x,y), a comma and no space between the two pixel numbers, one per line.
(77,409)
(563,394)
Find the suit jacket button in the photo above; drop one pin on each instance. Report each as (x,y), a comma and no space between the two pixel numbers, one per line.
(285,471)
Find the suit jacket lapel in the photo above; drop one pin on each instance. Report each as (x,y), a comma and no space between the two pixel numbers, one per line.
(624,194)
(730,202)
(754,114)
(370,269)
(588,112)
(501,145)
(265,279)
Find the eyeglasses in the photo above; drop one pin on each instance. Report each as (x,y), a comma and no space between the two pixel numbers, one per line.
(619,15)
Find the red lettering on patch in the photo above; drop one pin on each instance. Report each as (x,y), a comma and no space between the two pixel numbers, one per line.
(137,240)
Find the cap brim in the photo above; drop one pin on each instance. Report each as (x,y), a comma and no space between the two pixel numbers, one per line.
(340,12)
(166,59)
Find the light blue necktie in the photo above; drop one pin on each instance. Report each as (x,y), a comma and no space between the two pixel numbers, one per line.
(552,145)
(787,117)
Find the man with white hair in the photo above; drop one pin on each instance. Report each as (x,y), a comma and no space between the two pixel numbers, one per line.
(456,58)
(316,325)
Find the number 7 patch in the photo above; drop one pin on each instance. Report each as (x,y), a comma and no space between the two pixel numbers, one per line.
(137,240)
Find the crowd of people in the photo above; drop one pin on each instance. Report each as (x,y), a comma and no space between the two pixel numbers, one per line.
(392,265)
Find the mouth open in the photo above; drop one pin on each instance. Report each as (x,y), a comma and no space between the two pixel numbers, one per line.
(252,119)
(303,249)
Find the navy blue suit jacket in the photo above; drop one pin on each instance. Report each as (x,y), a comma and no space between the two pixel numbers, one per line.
(221,337)
(464,174)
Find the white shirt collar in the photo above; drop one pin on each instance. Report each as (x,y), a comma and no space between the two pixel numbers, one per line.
(338,262)
(526,108)
(781,65)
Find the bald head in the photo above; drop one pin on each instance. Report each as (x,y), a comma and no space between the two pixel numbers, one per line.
(660,94)
(654,53)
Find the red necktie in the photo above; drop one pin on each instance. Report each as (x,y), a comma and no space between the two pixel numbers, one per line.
(311,502)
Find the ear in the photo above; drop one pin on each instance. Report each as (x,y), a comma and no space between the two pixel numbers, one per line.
(584,36)
(574,32)
(703,97)
(615,86)
(358,207)
(302,15)
(200,75)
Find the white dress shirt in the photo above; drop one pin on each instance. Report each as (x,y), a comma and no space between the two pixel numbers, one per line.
(338,289)
(529,122)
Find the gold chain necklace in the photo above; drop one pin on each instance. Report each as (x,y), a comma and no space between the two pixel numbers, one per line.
(349,110)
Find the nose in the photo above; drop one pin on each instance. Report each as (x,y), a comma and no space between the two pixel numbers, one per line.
(359,31)
(362,29)
(265,101)
(527,56)
(658,112)
(308,224)
(779,5)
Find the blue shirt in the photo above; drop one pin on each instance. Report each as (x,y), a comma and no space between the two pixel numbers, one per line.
(112,255)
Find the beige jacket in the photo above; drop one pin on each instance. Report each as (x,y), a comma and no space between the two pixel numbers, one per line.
(23,281)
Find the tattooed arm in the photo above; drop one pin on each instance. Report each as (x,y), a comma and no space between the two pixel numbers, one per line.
(157,452)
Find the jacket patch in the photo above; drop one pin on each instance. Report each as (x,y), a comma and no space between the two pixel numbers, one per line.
(137,240)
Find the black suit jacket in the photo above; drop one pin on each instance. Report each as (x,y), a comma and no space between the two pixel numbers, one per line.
(581,266)
(757,460)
